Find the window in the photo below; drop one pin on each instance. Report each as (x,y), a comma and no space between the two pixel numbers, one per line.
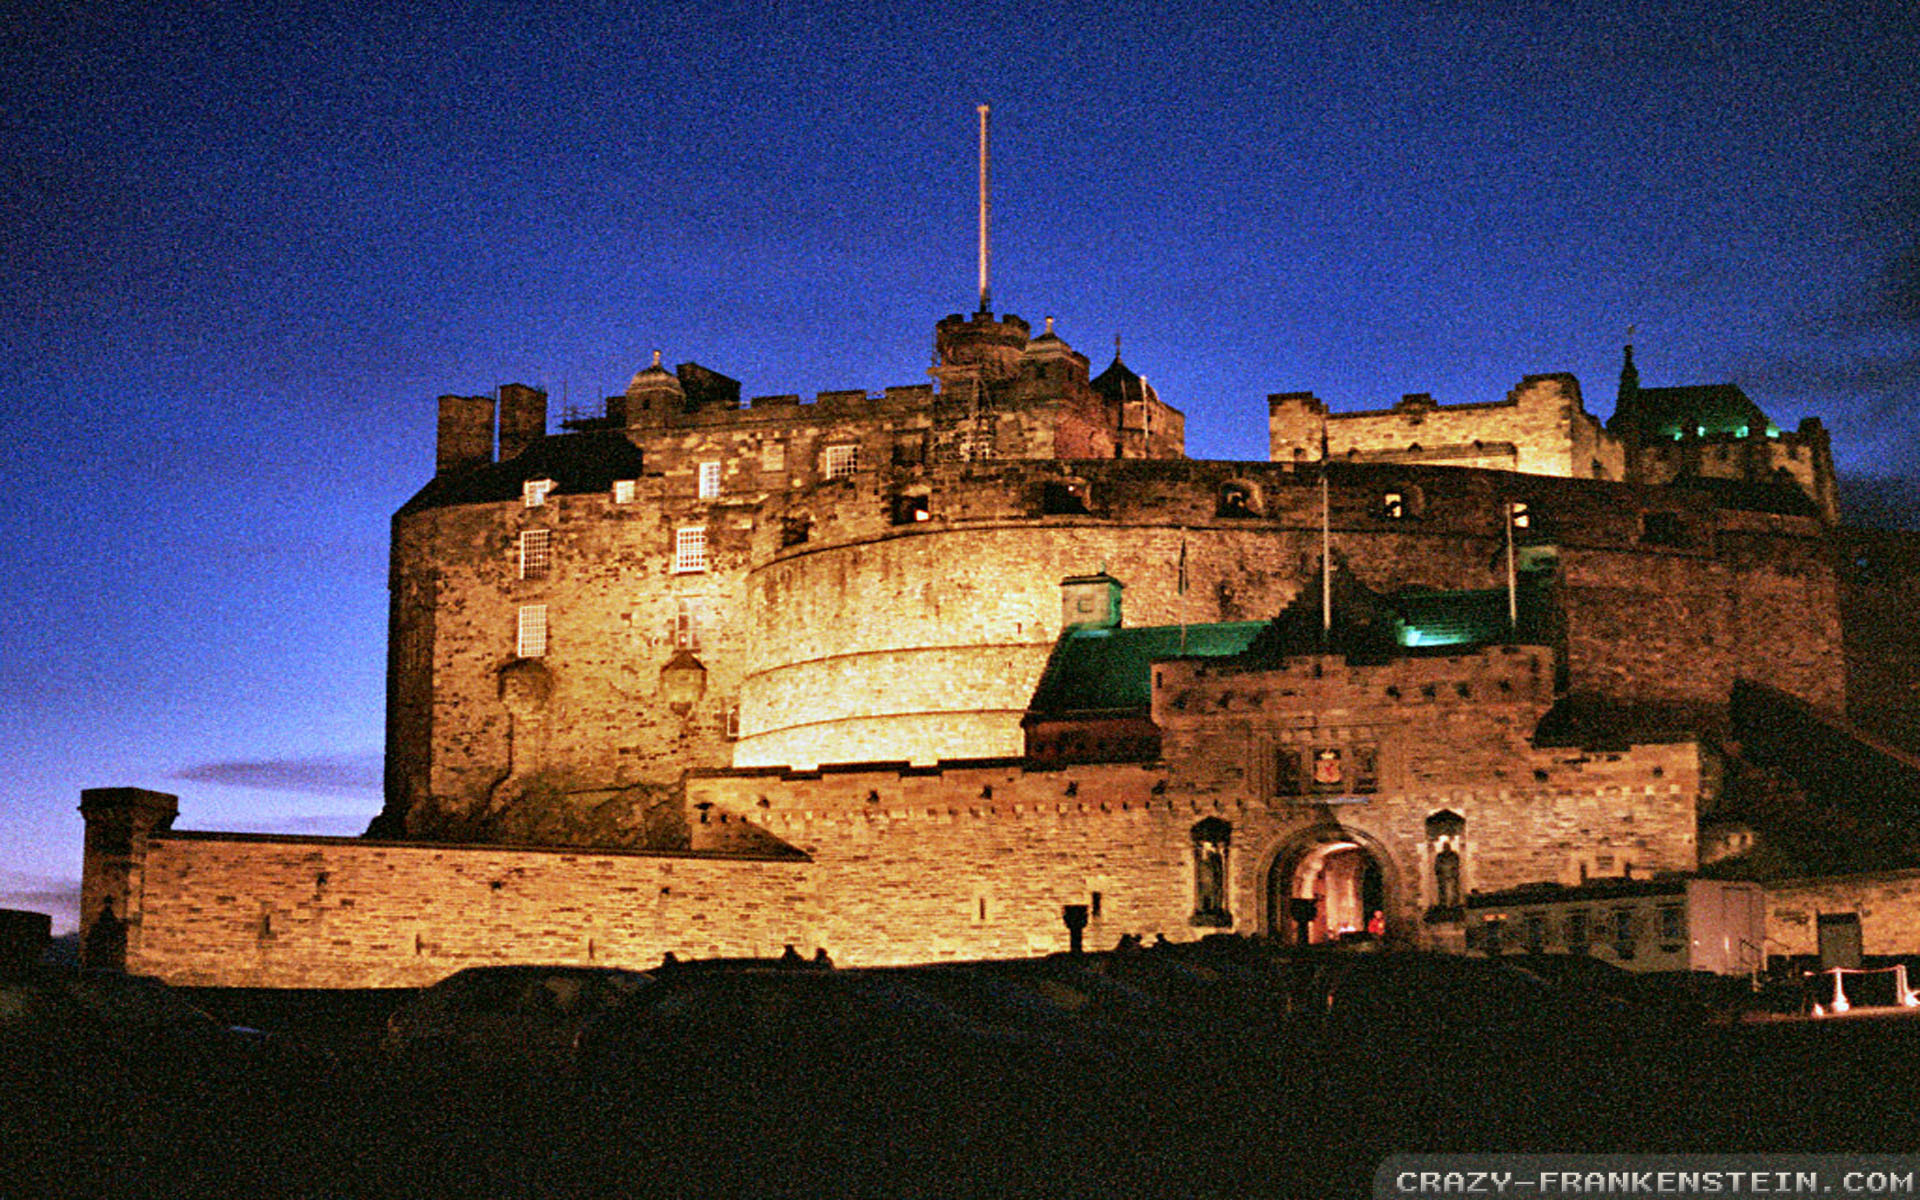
(624,489)
(530,640)
(1393,506)
(794,531)
(1622,932)
(1536,933)
(1522,516)
(1238,499)
(1578,931)
(842,461)
(1661,529)
(709,480)
(686,626)
(535,491)
(1673,924)
(910,508)
(690,550)
(535,553)
(1063,498)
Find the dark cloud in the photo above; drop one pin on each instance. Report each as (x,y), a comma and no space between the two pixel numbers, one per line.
(332,774)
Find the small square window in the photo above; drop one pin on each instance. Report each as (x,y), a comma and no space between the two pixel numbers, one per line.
(1662,529)
(1522,517)
(690,550)
(530,641)
(535,491)
(842,461)
(535,553)
(709,480)
(1393,506)
(624,489)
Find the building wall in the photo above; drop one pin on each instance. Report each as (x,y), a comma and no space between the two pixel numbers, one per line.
(1541,428)
(1450,735)
(1887,903)
(879,641)
(228,910)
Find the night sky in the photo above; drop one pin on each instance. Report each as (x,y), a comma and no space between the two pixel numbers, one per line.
(245,247)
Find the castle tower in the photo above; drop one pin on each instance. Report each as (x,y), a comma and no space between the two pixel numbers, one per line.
(654,396)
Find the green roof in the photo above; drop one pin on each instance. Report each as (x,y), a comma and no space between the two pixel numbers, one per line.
(1103,670)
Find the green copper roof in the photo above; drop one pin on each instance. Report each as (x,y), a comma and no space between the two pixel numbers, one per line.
(1094,670)
(1110,670)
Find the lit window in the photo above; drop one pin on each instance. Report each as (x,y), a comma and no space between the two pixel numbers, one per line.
(535,553)
(709,480)
(1521,516)
(623,490)
(531,640)
(842,461)
(535,491)
(1393,506)
(686,626)
(690,550)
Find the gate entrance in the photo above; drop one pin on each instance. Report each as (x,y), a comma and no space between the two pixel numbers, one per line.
(1328,887)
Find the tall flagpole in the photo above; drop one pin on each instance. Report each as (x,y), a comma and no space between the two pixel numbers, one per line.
(1326,545)
(1180,592)
(986,210)
(1513,585)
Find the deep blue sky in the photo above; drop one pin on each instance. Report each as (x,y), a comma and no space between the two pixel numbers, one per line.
(243,250)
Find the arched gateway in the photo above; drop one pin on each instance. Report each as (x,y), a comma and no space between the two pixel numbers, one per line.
(1329,882)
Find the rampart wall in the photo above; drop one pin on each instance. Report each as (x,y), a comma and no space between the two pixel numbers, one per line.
(905,612)
(230,910)
(1540,428)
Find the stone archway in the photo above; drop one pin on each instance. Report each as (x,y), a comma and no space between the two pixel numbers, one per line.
(1346,875)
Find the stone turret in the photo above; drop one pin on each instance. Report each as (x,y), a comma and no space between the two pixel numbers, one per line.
(978,347)
(654,396)
(120,822)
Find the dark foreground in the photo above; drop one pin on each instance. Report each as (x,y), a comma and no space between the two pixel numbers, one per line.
(1232,1077)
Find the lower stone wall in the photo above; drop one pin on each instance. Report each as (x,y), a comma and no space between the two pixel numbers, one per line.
(1887,903)
(230,910)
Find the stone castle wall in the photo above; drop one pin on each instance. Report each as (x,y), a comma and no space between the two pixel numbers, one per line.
(1447,735)
(229,910)
(1541,428)
(882,639)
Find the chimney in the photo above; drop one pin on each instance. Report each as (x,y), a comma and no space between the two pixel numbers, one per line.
(466,433)
(523,418)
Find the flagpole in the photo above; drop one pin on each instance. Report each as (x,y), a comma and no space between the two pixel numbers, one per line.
(1180,592)
(1513,585)
(1326,545)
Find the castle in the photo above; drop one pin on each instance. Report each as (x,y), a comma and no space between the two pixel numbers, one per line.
(985,665)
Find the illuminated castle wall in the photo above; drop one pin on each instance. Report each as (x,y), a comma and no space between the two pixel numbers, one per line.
(710,678)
